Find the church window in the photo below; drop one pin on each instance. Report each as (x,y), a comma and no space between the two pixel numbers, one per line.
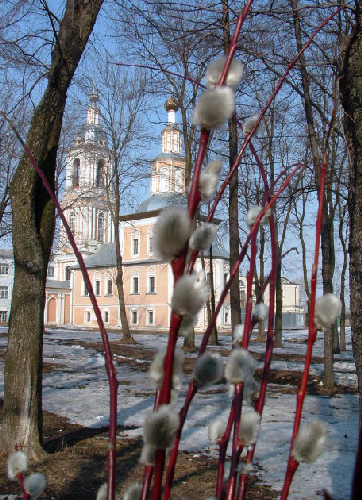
(100,173)
(72,221)
(4,268)
(98,288)
(164,180)
(85,290)
(151,285)
(87,317)
(76,169)
(135,244)
(109,287)
(179,187)
(150,243)
(67,273)
(134,317)
(100,227)
(150,317)
(134,282)
(3,316)
(106,316)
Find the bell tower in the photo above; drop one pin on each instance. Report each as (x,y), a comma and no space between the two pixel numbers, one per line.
(88,192)
(168,170)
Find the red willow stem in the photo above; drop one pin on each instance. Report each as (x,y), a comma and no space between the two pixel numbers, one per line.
(193,201)
(241,257)
(192,388)
(146,485)
(223,445)
(236,450)
(264,110)
(111,372)
(292,463)
(259,406)
(20,477)
(173,455)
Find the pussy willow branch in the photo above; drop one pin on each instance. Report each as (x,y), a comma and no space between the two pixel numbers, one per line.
(20,477)
(264,110)
(193,202)
(223,445)
(292,463)
(259,406)
(192,388)
(111,372)
(236,450)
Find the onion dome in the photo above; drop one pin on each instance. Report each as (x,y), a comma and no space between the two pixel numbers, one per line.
(171,104)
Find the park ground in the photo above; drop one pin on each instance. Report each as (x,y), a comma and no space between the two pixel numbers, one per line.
(75,397)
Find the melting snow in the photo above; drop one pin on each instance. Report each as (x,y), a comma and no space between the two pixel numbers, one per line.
(78,390)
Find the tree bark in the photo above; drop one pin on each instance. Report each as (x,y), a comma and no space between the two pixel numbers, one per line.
(126,334)
(327,234)
(33,226)
(351,95)
(233,192)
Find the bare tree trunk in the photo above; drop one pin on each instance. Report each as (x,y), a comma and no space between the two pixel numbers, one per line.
(351,94)
(327,235)
(33,225)
(343,240)
(126,334)
(279,306)
(233,192)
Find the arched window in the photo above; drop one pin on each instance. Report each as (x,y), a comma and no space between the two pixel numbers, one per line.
(72,221)
(164,180)
(67,273)
(100,173)
(76,169)
(100,227)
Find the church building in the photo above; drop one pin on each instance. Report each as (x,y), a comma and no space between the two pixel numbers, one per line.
(148,281)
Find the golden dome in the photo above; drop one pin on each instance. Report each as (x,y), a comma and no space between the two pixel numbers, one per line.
(171,104)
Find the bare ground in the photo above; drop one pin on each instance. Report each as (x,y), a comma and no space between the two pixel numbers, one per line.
(75,465)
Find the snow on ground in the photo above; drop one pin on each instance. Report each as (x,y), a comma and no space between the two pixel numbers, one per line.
(78,390)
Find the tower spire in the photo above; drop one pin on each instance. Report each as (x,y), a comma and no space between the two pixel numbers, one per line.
(92,114)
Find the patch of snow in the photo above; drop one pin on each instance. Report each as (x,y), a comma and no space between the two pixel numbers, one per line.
(77,388)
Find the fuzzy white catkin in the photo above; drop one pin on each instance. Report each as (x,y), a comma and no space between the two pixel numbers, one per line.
(261,312)
(17,464)
(190,294)
(209,179)
(133,492)
(240,366)
(251,390)
(249,427)
(102,492)
(148,455)
(214,70)
(309,442)
(327,309)
(156,370)
(238,334)
(171,232)
(160,427)
(217,429)
(186,327)
(35,485)
(208,369)
(214,107)
(249,123)
(202,238)
(253,213)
